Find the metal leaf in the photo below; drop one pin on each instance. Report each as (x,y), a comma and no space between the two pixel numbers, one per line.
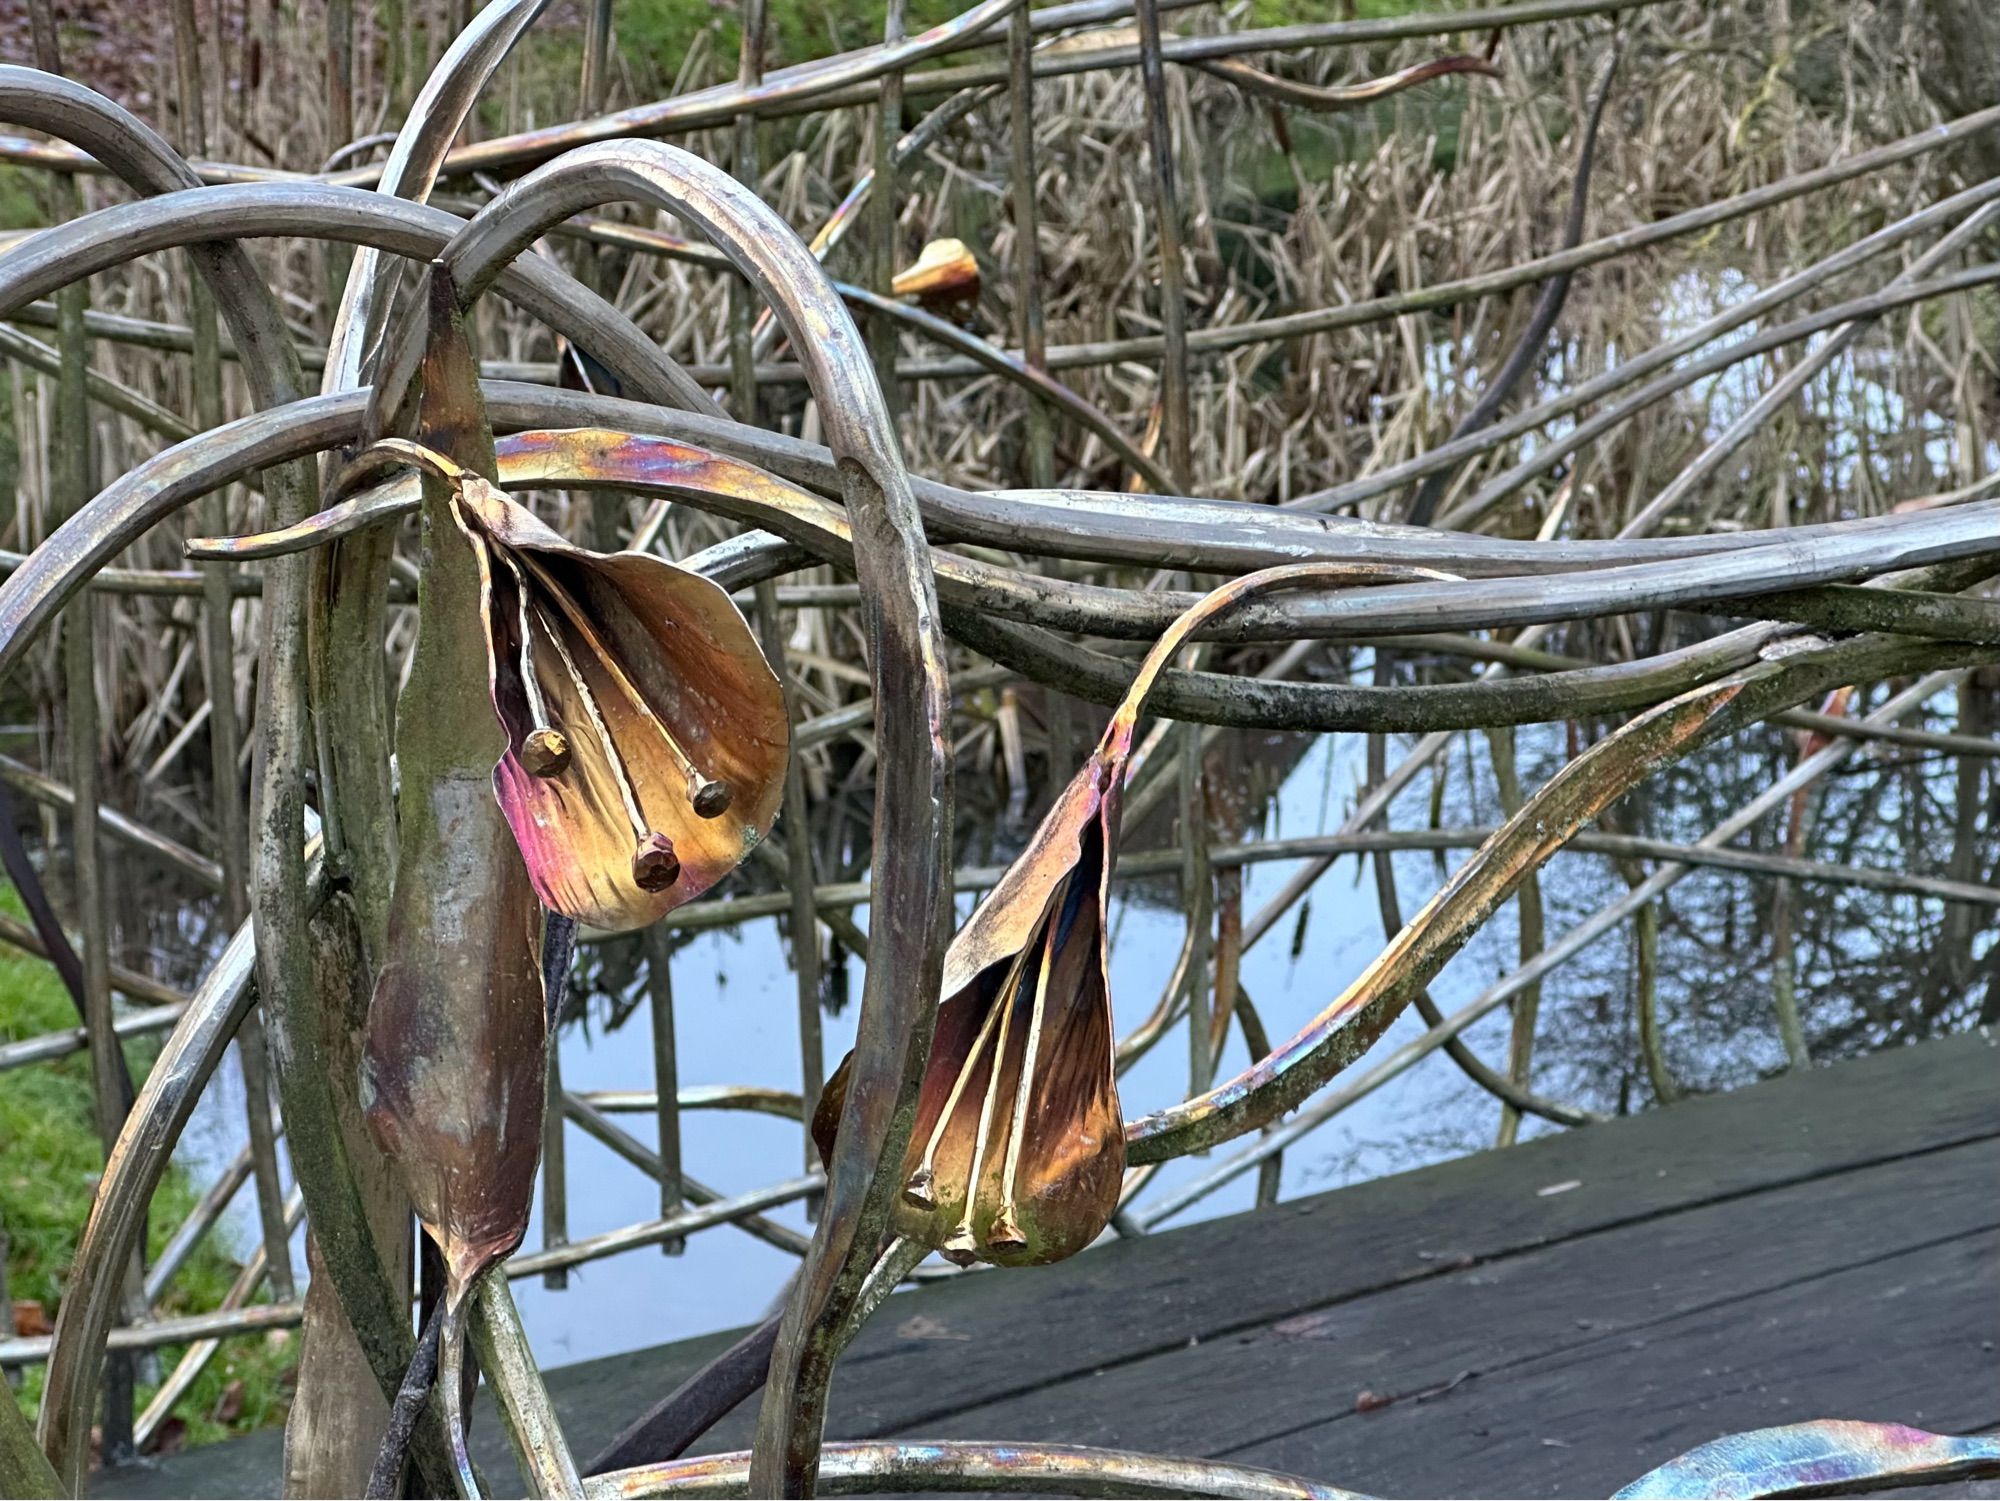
(455,1054)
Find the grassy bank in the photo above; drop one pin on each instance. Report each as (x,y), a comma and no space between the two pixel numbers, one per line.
(49,1164)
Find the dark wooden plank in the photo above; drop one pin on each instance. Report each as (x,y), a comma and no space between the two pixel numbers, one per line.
(1479,1325)
(1906,1339)
(986,1339)
(1128,1300)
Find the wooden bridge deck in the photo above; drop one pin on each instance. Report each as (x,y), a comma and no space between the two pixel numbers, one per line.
(1552,1320)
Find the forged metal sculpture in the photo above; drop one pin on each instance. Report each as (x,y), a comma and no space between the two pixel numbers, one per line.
(598,738)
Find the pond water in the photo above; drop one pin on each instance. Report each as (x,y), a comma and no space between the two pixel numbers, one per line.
(735,1005)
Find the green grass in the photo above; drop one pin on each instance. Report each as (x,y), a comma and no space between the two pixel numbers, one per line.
(21,195)
(655,33)
(48,1171)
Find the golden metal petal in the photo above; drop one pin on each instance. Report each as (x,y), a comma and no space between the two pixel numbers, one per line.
(669,667)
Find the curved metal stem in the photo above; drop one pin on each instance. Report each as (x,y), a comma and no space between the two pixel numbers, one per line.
(878,1469)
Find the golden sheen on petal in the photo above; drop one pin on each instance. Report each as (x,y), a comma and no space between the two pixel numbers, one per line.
(1018,1150)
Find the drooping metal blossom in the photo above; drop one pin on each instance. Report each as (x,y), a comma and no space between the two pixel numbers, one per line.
(646,734)
(1018,1151)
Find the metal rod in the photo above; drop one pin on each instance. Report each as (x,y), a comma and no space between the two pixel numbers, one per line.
(1175,415)
(154,1333)
(600,1126)
(1326,1105)
(195,1360)
(201,1219)
(666,1076)
(555,1167)
(1030,326)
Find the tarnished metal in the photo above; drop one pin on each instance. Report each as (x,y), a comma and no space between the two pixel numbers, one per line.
(530,1418)
(1016,1157)
(1175,416)
(109,237)
(454,1060)
(1791,560)
(118,1217)
(719,105)
(1348,1026)
(411,169)
(24,1469)
(1333,98)
(187,1370)
(622,684)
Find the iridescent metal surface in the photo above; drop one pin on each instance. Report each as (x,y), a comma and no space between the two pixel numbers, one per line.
(1827,1458)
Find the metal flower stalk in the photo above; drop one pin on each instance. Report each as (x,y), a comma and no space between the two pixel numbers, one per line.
(452,1075)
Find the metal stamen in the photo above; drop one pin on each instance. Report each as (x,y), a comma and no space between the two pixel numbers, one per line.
(545,750)
(710,798)
(919,1189)
(962,1238)
(655,866)
(1006,1233)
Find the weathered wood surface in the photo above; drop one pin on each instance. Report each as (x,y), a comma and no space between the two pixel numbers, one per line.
(1822,1245)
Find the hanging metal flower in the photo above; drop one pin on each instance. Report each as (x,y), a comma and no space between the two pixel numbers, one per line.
(646,734)
(1018,1151)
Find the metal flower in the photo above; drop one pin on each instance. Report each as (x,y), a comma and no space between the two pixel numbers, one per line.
(1018,1150)
(646,734)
